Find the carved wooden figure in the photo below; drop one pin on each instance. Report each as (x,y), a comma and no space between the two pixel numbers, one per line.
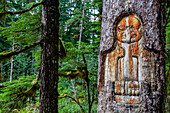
(122,64)
(125,59)
(131,76)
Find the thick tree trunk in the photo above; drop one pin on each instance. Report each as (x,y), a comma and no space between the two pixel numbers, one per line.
(131,73)
(49,57)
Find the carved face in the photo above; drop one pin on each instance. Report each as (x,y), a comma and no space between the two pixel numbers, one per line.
(129,29)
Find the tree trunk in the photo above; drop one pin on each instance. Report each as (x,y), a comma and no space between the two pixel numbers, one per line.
(81,30)
(131,73)
(49,57)
(12,64)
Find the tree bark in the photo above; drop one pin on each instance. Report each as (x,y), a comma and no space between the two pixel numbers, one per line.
(49,57)
(148,74)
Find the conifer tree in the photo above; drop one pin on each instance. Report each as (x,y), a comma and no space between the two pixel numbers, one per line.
(49,57)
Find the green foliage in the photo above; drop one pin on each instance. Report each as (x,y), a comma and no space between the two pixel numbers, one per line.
(70,88)
(26,29)
(15,95)
(23,29)
(77,84)
(86,56)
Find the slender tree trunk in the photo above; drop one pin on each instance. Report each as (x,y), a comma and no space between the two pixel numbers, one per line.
(81,30)
(18,70)
(131,73)
(49,57)
(12,60)
(88,95)
(1,74)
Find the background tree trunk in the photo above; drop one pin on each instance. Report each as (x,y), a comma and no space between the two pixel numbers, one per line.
(12,62)
(49,57)
(152,85)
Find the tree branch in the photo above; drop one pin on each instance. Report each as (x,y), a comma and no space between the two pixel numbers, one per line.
(84,60)
(12,53)
(93,99)
(22,11)
(5,64)
(76,102)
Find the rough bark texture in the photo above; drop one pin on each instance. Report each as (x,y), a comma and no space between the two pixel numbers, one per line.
(49,57)
(152,88)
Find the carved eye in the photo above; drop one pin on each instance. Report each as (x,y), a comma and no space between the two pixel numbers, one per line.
(135,27)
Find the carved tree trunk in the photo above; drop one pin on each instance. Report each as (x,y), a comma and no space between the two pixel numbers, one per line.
(49,57)
(131,73)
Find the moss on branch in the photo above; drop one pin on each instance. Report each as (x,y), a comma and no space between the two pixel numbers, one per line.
(8,55)
(80,72)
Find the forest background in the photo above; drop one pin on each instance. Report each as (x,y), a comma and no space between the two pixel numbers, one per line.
(80,25)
